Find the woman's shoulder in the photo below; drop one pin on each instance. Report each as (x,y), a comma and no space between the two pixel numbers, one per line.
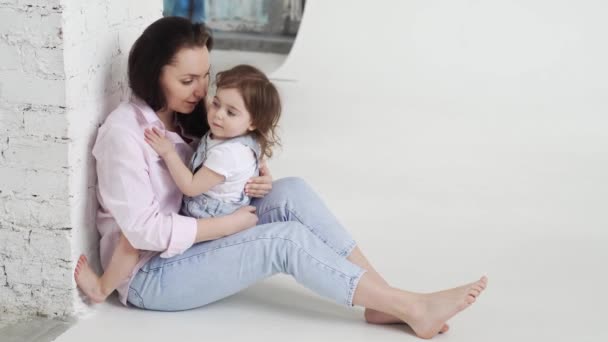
(123,117)
(120,126)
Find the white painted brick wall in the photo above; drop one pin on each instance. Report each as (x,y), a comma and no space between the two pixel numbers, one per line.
(62,70)
(34,177)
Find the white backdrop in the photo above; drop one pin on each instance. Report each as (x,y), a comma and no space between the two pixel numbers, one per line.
(456,138)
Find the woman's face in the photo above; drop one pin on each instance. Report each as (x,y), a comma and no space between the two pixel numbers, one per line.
(186,79)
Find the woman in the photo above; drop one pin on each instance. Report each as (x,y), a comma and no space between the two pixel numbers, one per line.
(187,263)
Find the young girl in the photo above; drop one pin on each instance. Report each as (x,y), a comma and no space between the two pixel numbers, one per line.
(242,119)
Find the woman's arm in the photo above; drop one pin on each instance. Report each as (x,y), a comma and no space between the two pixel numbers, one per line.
(216,227)
(189,184)
(125,192)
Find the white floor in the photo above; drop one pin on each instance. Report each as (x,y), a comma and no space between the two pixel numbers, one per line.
(452,143)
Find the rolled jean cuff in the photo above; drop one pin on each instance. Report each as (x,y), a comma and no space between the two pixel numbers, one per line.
(354,282)
(348,249)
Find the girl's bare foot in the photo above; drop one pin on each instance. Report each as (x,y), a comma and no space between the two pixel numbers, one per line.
(428,314)
(88,281)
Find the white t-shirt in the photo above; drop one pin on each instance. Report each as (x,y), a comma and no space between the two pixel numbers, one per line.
(233,160)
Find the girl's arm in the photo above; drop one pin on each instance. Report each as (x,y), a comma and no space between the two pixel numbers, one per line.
(189,184)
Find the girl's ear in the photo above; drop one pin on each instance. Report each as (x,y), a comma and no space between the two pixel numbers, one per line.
(251,128)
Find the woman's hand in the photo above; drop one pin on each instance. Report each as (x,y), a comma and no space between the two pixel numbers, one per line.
(156,139)
(243,218)
(259,186)
(212,228)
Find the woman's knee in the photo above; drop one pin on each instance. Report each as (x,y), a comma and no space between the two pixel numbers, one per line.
(295,192)
(291,184)
(291,230)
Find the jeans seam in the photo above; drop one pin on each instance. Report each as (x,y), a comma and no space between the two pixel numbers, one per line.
(139,297)
(342,274)
(349,248)
(312,229)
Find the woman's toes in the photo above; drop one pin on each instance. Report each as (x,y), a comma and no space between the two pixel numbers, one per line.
(444,329)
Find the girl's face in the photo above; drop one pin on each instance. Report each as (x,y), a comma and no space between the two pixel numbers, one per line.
(227,115)
(186,79)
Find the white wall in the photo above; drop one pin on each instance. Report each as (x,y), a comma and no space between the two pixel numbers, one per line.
(63,68)
(34,203)
(99,35)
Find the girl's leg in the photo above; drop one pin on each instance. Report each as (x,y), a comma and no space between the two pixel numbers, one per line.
(124,259)
(292,199)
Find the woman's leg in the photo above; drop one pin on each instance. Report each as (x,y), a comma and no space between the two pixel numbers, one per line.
(292,199)
(371,315)
(124,259)
(213,270)
(426,314)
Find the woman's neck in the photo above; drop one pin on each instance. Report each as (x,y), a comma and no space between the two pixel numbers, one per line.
(167,117)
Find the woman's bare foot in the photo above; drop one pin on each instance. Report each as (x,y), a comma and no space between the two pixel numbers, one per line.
(378,317)
(428,315)
(88,281)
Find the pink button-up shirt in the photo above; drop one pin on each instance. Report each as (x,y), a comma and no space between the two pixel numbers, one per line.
(136,193)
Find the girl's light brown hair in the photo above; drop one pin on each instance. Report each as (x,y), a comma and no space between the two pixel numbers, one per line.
(261,99)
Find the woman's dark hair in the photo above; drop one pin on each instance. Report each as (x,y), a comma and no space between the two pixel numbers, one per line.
(154,49)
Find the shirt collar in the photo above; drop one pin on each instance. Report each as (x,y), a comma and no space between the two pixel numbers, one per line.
(151,119)
(148,114)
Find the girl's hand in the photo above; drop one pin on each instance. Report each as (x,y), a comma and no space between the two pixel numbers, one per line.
(259,186)
(156,139)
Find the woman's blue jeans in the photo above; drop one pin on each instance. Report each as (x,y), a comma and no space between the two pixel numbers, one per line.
(296,235)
